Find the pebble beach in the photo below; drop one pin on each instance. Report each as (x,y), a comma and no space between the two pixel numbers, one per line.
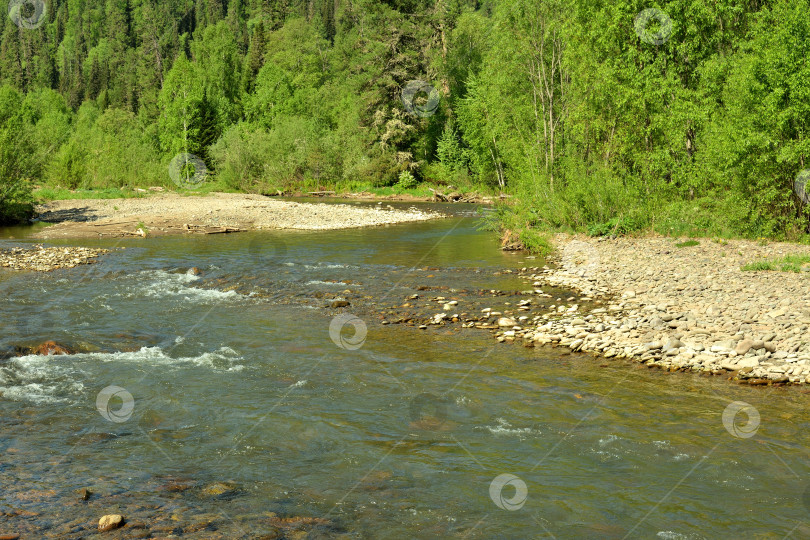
(679,308)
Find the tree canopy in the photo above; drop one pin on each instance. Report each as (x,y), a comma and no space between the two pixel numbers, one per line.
(677,115)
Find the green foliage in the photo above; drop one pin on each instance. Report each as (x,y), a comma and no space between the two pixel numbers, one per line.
(618,226)
(687,243)
(106,150)
(47,193)
(535,242)
(407,180)
(16,159)
(560,104)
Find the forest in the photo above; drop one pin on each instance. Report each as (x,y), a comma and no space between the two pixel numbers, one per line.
(608,117)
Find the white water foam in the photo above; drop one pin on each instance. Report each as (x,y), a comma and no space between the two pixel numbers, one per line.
(672,535)
(224,359)
(162,284)
(47,379)
(504,428)
(37,379)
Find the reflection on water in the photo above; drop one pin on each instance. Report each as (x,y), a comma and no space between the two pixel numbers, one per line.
(250,421)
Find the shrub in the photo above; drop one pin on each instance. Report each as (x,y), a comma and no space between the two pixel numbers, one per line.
(407,180)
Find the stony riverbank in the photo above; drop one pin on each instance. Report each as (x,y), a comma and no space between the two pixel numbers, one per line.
(169,213)
(679,308)
(46,259)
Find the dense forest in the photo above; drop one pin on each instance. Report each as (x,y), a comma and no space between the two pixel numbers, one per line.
(683,116)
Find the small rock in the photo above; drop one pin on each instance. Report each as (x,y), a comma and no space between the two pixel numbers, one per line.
(744,346)
(110,522)
(770,346)
(672,344)
(340,304)
(748,363)
(507,321)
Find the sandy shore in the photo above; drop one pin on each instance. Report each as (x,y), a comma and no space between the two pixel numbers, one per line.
(688,308)
(163,214)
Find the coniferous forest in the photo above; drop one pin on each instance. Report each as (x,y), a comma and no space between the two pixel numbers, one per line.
(681,116)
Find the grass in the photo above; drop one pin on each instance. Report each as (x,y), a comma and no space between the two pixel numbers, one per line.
(359,187)
(536,242)
(58,193)
(48,193)
(421,190)
(688,243)
(788,263)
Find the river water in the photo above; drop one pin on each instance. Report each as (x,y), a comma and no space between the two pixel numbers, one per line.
(222,405)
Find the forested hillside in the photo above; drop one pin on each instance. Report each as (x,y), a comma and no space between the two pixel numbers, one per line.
(608,116)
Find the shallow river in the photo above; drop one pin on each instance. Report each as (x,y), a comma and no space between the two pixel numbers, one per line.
(237,412)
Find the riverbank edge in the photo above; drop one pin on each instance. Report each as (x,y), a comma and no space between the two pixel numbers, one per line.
(162,214)
(620,327)
(436,195)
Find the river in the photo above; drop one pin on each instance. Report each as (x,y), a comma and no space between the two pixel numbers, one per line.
(235,404)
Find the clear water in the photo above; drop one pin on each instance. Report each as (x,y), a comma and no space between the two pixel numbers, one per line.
(235,379)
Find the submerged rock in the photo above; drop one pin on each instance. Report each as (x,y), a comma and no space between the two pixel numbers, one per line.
(110,522)
(219,489)
(50,348)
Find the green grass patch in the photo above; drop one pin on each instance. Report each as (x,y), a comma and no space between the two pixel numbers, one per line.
(688,243)
(420,190)
(788,263)
(61,194)
(758,266)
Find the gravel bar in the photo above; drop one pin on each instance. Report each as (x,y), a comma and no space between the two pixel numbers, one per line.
(680,308)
